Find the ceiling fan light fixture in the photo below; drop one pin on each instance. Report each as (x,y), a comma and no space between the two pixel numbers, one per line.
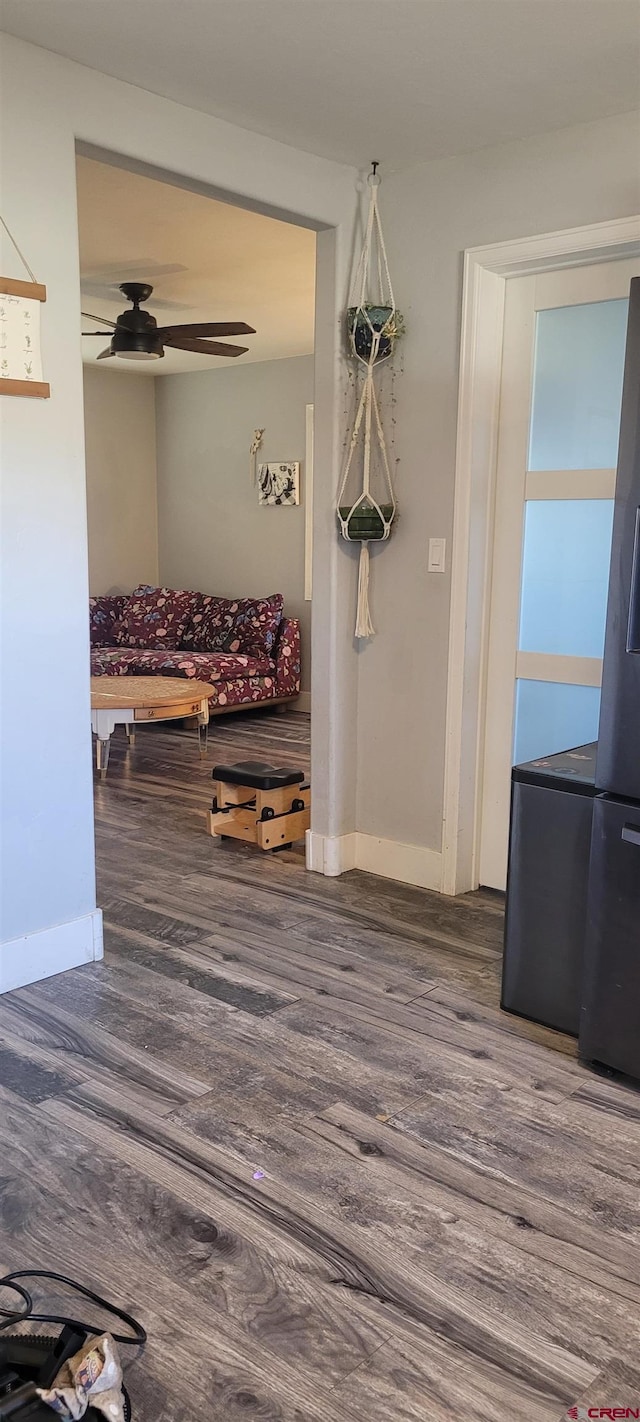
(136,345)
(139,355)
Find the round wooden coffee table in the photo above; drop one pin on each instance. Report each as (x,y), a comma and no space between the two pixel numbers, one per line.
(127,699)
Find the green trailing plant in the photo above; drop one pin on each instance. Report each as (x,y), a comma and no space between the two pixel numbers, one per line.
(369,318)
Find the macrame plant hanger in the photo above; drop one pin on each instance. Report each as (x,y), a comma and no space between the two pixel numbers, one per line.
(373,328)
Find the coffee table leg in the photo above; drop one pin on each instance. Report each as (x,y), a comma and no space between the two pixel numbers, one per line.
(102,756)
(203,728)
(131,732)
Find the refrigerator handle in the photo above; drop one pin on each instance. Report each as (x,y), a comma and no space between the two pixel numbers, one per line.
(630,834)
(633,628)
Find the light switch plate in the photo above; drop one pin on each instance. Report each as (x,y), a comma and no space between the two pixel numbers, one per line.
(437,552)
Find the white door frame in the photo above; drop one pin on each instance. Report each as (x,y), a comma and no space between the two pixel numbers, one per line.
(486,271)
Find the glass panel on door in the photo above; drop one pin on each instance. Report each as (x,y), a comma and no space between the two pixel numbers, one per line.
(575,419)
(577,386)
(565,574)
(552,716)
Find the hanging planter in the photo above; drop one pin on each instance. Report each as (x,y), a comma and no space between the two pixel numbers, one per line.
(365,323)
(373,326)
(366,521)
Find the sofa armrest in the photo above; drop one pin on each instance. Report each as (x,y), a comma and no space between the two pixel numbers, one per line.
(288,657)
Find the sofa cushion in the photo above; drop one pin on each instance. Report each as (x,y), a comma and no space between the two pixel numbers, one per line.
(243,690)
(255,624)
(201,666)
(154,617)
(109,661)
(228,666)
(206,631)
(194,619)
(104,613)
(246,625)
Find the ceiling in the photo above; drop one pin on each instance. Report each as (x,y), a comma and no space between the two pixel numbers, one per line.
(232,264)
(397,80)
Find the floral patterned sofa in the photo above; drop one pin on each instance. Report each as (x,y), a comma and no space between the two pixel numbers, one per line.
(246,648)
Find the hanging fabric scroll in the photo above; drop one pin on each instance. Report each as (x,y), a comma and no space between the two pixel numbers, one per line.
(20,359)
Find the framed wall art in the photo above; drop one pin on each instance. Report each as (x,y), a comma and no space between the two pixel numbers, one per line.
(279,483)
(20,359)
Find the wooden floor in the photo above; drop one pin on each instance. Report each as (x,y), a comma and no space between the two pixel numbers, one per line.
(286,1124)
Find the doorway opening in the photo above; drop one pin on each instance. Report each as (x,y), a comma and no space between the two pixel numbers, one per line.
(199,496)
(488,274)
(560,400)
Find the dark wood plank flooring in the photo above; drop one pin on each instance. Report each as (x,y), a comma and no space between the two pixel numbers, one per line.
(446,1223)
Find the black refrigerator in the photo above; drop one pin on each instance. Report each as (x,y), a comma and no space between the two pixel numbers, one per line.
(610,1015)
(548,878)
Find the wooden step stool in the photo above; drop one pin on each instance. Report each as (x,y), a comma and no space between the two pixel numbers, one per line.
(263,804)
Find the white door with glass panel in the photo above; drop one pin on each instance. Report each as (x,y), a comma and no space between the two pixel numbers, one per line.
(563,360)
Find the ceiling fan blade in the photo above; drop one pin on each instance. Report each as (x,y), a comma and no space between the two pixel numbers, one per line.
(216,348)
(104,355)
(102,320)
(208,328)
(96,333)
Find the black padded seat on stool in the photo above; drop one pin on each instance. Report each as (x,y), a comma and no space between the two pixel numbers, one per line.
(257,775)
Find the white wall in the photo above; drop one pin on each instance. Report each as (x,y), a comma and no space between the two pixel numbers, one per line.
(431,214)
(122,501)
(47,827)
(47,823)
(213,534)
(383,722)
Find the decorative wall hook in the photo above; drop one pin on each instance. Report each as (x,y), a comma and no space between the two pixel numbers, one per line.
(253,450)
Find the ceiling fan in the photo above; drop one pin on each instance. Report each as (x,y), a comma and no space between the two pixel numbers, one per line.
(136,334)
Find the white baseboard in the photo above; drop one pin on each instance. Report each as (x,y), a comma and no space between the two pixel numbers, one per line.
(53,950)
(407,863)
(331,855)
(303,703)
